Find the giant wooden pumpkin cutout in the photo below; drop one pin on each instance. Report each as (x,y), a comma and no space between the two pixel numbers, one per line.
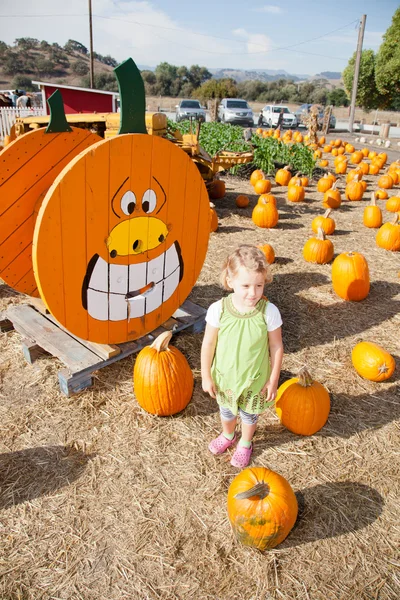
(122,234)
(28,166)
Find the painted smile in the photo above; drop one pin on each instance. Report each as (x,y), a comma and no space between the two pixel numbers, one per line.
(114,292)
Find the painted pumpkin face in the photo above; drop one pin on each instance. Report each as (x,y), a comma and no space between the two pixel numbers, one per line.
(121,238)
(28,166)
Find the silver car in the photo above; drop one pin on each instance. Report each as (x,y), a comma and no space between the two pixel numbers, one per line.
(271,112)
(235,111)
(190,109)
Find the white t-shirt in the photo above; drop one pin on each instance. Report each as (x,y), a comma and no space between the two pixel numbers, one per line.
(272,315)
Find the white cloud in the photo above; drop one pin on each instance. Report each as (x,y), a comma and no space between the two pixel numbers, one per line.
(269,8)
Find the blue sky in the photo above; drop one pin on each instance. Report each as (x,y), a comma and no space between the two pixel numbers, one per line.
(298,37)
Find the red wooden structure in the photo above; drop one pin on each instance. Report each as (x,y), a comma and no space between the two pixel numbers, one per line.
(79,100)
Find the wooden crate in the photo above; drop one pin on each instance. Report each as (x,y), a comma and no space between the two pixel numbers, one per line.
(42,333)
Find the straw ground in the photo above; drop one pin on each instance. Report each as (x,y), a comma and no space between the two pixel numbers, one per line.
(101,501)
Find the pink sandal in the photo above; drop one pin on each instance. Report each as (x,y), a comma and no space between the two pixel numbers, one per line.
(241,457)
(220,444)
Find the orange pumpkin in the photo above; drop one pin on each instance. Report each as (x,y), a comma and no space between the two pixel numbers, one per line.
(318,249)
(386,182)
(328,148)
(267,198)
(372,362)
(381,194)
(217,189)
(372,216)
(28,167)
(349,148)
(268,252)
(256,175)
(373,169)
(283,176)
(213,218)
(296,193)
(350,276)
(302,404)
(353,174)
(388,236)
(242,201)
(262,508)
(122,234)
(325,183)
(265,213)
(332,197)
(356,157)
(393,204)
(162,378)
(262,186)
(341,167)
(324,221)
(364,168)
(299,178)
(354,190)
(323,163)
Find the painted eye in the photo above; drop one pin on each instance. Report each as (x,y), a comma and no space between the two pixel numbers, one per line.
(149,201)
(128,202)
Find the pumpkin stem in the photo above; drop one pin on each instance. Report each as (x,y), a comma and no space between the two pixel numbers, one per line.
(320,234)
(373,199)
(132,95)
(261,490)
(58,121)
(327,213)
(161,342)
(396,219)
(304,377)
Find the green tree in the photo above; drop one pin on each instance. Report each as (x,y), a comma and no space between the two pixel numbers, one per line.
(12,64)
(166,75)
(80,67)
(102,81)
(338,97)
(23,82)
(216,88)
(26,43)
(74,46)
(368,96)
(44,67)
(198,75)
(387,64)
(3,48)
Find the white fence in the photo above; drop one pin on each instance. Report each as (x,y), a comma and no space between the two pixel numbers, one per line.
(9,115)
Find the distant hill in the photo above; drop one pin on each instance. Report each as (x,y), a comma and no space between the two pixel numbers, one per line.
(330,75)
(255,74)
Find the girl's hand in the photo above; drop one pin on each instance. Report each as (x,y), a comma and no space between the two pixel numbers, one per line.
(269,390)
(208,386)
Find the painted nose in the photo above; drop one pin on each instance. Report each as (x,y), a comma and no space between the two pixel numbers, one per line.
(135,236)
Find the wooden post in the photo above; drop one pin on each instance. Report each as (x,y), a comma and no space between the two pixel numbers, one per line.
(91,46)
(356,71)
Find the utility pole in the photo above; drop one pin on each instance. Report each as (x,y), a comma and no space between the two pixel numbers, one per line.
(91,45)
(356,71)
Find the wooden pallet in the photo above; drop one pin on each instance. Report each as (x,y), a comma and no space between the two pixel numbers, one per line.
(42,333)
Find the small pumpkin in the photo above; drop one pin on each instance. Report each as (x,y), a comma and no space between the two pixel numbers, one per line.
(213,218)
(372,216)
(350,276)
(326,182)
(355,189)
(349,148)
(262,186)
(386,182)
(353,174)
(283,176)
(299,178)
(216,190)
(267,198)
(341,167)
(324,221)
(318,249)
(388,236)
(268,252)
(364,168)
(265,213)
(393,204)
(323,162)
(256,175)
(373,169)
(302,404)
(296,193)
(242,201)
(262,508)
(356,157)
(162,379)
(327,148)
(332,197)
(381,194)
(372,362)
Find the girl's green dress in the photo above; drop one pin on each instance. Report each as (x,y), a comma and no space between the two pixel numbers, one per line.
(241,365)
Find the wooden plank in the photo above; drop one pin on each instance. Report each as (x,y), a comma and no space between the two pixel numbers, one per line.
(51,338)
(188,310)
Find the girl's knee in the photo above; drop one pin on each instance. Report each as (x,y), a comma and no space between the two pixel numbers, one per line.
(226,414)
(248,418)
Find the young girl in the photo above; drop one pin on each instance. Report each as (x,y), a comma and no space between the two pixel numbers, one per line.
(242,351)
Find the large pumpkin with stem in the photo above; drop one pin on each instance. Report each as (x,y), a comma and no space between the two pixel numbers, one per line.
(283,176)
(324,222)
(332,197)
(355,189)
(318,249)
(372,361)
(262,508)
(302,404)
(162,379)
(296,192)
(122,233)
(350,276)
(326,182)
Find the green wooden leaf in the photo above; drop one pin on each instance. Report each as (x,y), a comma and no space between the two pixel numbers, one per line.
(58,121)
(132,98)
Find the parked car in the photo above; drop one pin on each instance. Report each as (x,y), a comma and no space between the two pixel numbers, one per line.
(270,115)
(305,108)
(190,109)
(235,111)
